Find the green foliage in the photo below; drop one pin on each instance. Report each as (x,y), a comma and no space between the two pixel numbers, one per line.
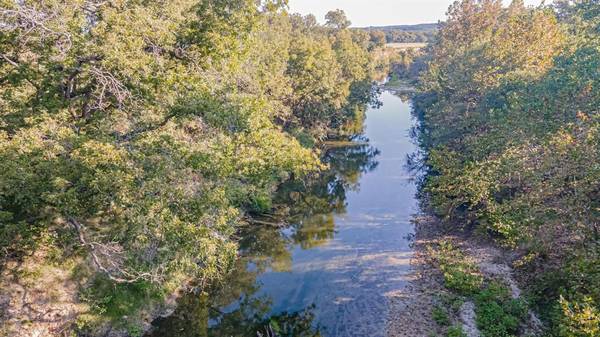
(498,315)
(264,248)
(453,302)
(138,135)
(509,109)
(331,77)
(407,65)
(337,19)
(579,318)
(460,274)
(377,39)
(455,331)
(406,33)
(440,316)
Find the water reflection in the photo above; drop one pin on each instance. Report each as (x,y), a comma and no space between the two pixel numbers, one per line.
(349,259)
(235,306)
(344,248)
(326,193)
(313,203)
(231,308)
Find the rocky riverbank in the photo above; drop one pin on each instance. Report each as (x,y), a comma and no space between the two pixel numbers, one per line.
(429,306)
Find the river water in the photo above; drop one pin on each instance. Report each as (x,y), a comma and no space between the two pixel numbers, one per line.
(346,247)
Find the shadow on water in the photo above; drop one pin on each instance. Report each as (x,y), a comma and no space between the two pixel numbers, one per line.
(234,306)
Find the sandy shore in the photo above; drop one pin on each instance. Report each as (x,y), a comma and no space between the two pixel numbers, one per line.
(410,308)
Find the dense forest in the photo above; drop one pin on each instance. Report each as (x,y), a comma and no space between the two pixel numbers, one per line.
(137,137)
(509,110)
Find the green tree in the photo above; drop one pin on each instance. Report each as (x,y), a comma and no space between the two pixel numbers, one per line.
(377,39)
(509,118)
(136,137)
(337,19)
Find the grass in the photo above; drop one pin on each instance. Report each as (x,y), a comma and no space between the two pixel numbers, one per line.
(460,275)
(120,304)
(455,331)
(440,315)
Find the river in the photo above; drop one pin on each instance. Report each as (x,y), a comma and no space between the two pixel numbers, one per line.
(346,247)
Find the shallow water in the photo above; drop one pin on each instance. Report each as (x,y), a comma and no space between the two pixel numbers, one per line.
(346,248)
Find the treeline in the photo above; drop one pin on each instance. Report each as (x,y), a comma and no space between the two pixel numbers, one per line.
(407,65)
(136,136)
(405,34)
(510,119)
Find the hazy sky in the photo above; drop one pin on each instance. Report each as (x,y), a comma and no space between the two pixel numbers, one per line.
(380,12)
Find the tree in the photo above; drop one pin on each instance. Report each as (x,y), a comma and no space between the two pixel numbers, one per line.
(509,109)
(136,137)
(337,19)
(377,39)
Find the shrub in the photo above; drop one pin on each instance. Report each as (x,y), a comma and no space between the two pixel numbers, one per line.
(498,315)
(460,275)
(440,315)
(456,331)
(579,318)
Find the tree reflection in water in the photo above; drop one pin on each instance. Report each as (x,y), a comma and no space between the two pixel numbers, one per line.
(314,202)
(309,206)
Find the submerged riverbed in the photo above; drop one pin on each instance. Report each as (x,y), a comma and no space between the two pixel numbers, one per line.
(346,247)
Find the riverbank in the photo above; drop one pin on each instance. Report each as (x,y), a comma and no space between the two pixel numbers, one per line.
(436,302)
(346,246)
(513,151)
(411,307)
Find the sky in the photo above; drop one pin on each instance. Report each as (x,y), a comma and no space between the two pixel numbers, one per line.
(364,13)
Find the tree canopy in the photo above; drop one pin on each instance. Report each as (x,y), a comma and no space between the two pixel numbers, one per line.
(509,108)
(136,136)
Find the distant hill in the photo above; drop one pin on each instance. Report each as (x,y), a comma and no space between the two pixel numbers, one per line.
(419,33)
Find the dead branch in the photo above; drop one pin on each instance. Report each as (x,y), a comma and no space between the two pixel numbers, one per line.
(109,85)
(266,223)
(26,20)
(108,258)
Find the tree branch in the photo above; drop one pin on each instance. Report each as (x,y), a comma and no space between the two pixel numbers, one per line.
(110,254)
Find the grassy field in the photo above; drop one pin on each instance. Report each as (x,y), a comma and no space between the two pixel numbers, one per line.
(405,46)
